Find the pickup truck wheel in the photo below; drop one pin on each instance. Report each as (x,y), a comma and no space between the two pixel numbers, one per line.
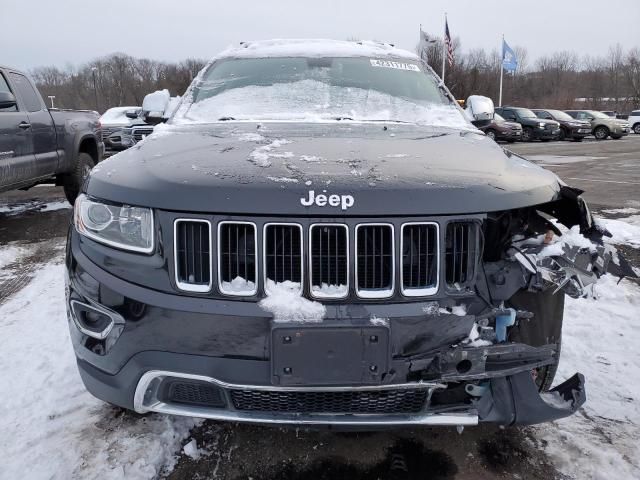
(601,133)
(73,181)
(527,134)
(636,128)
(544,328)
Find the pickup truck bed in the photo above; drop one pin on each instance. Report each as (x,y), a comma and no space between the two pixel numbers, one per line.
(37,143)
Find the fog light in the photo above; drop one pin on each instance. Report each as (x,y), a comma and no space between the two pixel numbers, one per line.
(93,320)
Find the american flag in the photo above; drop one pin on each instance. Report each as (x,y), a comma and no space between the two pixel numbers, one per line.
(447,42)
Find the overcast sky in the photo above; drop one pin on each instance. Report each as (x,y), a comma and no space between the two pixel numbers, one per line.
(58,32)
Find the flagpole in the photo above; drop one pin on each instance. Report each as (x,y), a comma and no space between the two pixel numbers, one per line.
(501,71)
(444,46)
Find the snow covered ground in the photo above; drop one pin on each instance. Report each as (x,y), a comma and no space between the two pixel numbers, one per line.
(52,428)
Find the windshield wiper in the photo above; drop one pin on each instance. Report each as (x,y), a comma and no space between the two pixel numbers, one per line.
(226,119)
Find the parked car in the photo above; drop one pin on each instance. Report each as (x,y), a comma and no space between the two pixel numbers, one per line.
(286,251)
(38,143)
(500,129)
(634,121)
(570,128)
(113,121)
(602,126)
(533,128)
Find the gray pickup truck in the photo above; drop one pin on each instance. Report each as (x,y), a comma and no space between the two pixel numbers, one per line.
(37,143)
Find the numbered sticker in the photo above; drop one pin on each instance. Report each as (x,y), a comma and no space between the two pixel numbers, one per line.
(396,65)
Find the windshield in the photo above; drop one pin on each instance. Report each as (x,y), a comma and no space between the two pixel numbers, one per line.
(595,114)
(525,113)
(497,118)
(359,89)
(558,115)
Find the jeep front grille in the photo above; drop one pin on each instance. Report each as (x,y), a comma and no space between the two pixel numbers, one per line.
(329,250)
(354,401)
(460,254)
(283,253)
(192,254)
(237,258)
(420,255)
(374,260)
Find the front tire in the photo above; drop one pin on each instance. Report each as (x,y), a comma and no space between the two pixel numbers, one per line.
(73,181)
(527,134)
(636,128)
(491,134)
(601,133)
(544,328)
(563,135)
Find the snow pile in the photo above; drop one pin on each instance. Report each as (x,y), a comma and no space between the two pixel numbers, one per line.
(474,339)
(378,321)
(459,310)
(34,205)
(625,231)
(261,155)
(10,254)
(315,48)
(569,238)
(51,426)
(286,304)
(314,101)
(283,179)
(239,286)
(600,339)
(326,290)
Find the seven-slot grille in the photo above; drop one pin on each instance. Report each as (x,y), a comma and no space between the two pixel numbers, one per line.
(419,259)
(329,252)
(460,254)
(192,252)
(283,253)
(375,260)
(329,257)
(237,258)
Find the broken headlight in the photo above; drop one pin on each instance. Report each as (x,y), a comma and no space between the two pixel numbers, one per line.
(120,226)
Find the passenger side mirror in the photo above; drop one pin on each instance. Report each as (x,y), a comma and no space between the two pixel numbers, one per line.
(7,100)
(133,114)
(480,110)
(154,118)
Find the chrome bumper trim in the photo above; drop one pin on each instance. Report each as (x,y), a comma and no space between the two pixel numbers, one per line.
(146,400)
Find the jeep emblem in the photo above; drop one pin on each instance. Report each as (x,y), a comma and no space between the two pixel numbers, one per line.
(322,200)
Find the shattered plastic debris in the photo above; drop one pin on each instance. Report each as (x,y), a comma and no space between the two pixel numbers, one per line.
(459,310)
(285,302)
(474,339)
(191,450)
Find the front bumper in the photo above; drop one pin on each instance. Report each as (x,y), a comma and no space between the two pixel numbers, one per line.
(545,134)
(217,355)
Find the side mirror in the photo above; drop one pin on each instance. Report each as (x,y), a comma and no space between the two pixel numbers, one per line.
(480,110)
(7,100)
(133,114)
(154,118)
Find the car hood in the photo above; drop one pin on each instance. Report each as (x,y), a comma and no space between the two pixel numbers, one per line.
(269,169)
(510,124)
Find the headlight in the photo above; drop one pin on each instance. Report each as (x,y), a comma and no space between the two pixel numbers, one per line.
(121,226)
(540,124)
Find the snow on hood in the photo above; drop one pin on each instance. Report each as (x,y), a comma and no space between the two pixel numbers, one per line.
(287,305)
(315,48)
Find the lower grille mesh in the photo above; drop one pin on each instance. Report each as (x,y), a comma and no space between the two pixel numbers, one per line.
(381,401)
(194,393)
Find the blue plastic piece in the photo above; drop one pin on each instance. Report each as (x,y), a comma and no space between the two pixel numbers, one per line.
(502,322)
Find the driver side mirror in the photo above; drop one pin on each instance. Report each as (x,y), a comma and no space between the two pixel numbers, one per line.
(480,110)
(133,114)
(154,118)
(7,100)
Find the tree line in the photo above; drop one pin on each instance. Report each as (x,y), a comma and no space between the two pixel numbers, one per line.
(562,80)
(559,80)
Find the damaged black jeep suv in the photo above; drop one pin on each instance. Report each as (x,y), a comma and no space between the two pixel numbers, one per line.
(321,236)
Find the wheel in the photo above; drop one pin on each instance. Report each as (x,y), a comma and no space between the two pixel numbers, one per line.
(544,328)
(491,134)
(527,134)
(601,132)
(563,135)
(73,181)
(636,128)
(616,137)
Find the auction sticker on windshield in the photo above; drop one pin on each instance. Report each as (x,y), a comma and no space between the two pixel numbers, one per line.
(392,64)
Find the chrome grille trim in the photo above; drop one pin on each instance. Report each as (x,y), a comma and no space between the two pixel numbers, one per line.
(460,250)
(255,260)
(420,292)
(376,293)
(317,293)
(264,251)
(186,286)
